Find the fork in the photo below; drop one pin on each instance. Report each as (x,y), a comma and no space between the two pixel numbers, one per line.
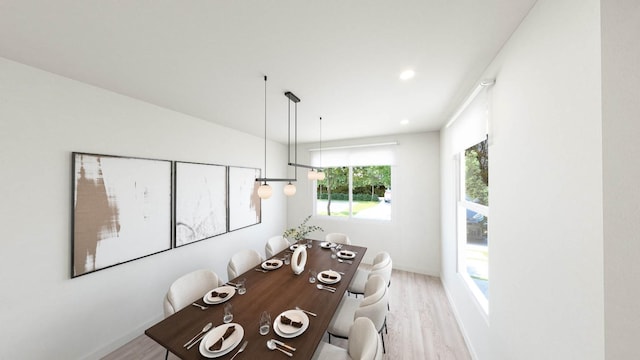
(202,307)
(244,345)
(308,312)
(345,261)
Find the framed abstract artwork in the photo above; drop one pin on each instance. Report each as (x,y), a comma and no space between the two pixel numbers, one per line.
(201,202)
(244,203)
(121,210)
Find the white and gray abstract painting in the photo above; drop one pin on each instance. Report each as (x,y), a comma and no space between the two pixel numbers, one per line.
(201,203)
(244,203)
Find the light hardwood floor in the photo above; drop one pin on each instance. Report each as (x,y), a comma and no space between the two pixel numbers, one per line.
(420,324)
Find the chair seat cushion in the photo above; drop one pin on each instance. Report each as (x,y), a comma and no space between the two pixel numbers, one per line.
(326,351)
(343,317)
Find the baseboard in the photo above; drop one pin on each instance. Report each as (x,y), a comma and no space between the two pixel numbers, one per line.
(121,341)
(456,314)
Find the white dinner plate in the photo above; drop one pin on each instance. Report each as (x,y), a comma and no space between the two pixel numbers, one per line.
(327,245)
(275,264)
(321,277)
(346,254)
(293,247)
(288,331)
(214,335)
(218,300)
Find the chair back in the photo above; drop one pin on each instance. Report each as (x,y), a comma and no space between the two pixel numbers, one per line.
(337,238)
(274,245)
(374,304)
(364,340)
(188,288)
(383,267)
(242,261)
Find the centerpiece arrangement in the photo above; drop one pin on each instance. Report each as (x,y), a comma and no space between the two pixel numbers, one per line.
(299,233)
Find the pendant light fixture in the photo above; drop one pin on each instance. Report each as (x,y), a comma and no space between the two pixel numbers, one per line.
(312,174)
(265,191)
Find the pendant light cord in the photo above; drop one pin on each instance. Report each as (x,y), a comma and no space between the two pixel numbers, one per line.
(320,141)
(265,128)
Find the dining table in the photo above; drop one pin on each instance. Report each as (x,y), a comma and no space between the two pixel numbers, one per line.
(271,291)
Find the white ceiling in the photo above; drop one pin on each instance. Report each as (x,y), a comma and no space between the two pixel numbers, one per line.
(207,58)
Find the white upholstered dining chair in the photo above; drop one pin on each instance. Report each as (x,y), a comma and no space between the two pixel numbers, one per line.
(187,289)
(274,245)
(242,261)
(382,265)
(338,238)
(364,344)
(373,306)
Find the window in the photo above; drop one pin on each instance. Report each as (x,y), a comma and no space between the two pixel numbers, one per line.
(357,184)
(473,246)
(362,192)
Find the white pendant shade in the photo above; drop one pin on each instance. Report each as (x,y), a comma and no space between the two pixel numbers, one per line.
(311,175)
(290,189)
(265,191)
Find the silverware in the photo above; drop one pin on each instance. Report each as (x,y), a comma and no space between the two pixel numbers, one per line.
(328,288)
(272,346)
(261,270)
(339,272)
(244,345)
(308,312)
(232,284)
(345,261)
(283,344)
(204,330)
(200,306)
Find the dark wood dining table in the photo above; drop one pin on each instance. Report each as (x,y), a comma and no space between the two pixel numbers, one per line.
(274,292)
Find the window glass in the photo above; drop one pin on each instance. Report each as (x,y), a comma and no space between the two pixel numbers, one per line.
(473,242)
(362,192)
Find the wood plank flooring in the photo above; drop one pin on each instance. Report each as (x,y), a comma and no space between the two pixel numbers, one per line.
(421,325)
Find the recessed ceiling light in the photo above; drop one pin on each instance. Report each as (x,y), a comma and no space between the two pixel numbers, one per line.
(404,121)
(407,74)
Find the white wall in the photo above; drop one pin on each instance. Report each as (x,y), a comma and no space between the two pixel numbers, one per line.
(546,245)
(43,118)
(412,236)
(621,130)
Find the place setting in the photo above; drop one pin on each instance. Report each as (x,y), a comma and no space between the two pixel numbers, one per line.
(328,245)
(346,254)
(291,323)
(219,295)
(272,264)
(328,277)
(222,340)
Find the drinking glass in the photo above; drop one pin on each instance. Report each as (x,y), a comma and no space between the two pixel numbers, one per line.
(312,276)
(333,253)
(228,314)
(287,259)
(242,288)
(309,243)
(265,323)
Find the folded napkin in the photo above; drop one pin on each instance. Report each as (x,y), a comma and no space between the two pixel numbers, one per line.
(221,295)
(218,344)
(285,320)
(327,276)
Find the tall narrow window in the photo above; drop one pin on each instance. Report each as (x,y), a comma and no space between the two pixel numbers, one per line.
(473,247)
(470,147)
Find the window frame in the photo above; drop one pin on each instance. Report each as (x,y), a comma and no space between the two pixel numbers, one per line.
(350,217)
(461,219)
